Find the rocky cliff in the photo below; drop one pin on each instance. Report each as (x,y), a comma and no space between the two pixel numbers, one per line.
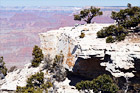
(87,57)
(91,56)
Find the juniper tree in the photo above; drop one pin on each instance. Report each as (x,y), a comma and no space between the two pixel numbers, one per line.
(88,14)
(102,83)
(37,56)
(3,69)
(129,17)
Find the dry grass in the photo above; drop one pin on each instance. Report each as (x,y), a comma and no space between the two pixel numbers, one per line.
(133,38)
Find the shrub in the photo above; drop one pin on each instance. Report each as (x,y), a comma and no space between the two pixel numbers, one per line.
(118,32)
(82,35)
(84,85)
(58,69)
(58,59)
(37,56)
(101,34)
(110,39)
(36,80)
(47,85)
(129,17)
(29,90)
(125,19)
(121,37)
(35,84)
(47,62)
(3,68)
(20,89)
(102,83)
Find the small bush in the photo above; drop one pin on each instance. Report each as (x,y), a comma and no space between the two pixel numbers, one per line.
(121,37)
(20,89)
(84,85)
(29,90)
(58,59)
(36,80)
(35,84)
(37,56)
(107,31)
(47,85)
(118,32)
(58,68)
(47,62)
(110,39)
(82,35)
(101,34)
(3,68)
(102,83)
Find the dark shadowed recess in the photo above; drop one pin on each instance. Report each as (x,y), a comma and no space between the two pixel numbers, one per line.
(86,69)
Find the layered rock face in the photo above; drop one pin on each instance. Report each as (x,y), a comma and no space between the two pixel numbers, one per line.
(87,57)
(91,56)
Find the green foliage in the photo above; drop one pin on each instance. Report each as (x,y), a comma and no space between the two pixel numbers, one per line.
(118,33)
(37,56)
(20,89)
(110,39)
(35,84)
(107,31)
(47,85)
(29,90)
(58,59)
(103,83)
(58,68)
(82,35)
(84,85)
(3,68)
(36,80)
(129,17)
(88,14)
(125,18)
(121,37)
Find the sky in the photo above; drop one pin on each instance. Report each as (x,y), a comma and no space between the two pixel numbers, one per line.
(68,2)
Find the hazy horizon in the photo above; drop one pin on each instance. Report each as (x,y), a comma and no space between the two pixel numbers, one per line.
(80,3)
(22,20)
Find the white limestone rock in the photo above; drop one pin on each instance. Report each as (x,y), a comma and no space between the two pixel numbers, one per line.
(64,87)
(18,77)
(67,40)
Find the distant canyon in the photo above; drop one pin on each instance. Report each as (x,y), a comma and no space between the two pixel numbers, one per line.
(20,26)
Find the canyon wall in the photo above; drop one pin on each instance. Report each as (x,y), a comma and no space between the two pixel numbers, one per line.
(91,56)
(86,57)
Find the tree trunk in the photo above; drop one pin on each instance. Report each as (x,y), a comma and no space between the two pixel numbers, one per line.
(89,19)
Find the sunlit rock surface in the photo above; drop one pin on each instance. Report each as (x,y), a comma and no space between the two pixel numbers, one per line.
(91,55)
(18,77)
